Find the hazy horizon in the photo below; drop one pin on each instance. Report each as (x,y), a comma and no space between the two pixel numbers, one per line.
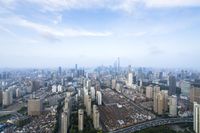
(52,33)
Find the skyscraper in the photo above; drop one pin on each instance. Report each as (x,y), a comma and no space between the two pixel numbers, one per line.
(80,119)
(194,94)
(196,117)
(130,79)
(95,117)
(149,92)
(172,85)
(173,105)
(64,122)
(88,105)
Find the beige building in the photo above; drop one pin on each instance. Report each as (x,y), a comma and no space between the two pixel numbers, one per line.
(80,120)
(159,103)
(96,117)
(173,106)
(149,91)
(194,94)
(35,106)
(64,122)
(156,90)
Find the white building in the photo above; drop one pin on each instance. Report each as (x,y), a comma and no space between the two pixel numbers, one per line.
(60,88)
(99,97)
(80,119)
(196,117)
(7,97)
(64,122)
(54,89)
(130,79)
(92,90)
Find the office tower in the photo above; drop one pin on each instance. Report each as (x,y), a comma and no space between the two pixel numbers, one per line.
(88,84)
(194,94)
(130,79)
(95,117)
(185,88)
(118,65)
(35,85)
(88,105)
(54,89)
(93,95)
(156,90)
(64,122)
(85,94)
(172,85)
(1,97)
(160,99)
(113,83)
(149,91)
(165,95)
(18,92)
(80,119)
(7,97)
(99,97)
(196,117)
(60,88)
(35,106)
(59,71)
(173,106)
(67,107)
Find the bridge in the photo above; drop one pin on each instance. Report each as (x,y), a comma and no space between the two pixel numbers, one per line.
(153,123)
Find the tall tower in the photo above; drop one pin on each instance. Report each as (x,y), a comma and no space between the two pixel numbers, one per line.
(172,85)
(64,122)
(95,117)
(196,117)
(118,65)
(173,105)
(80,119)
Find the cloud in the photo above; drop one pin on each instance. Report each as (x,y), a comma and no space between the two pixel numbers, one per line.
(171,3)
(8,31)
(122,5)
(49,32)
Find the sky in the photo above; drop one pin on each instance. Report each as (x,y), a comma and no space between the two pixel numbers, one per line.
(51,33)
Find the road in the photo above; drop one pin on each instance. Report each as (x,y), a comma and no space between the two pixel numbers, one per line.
(153,123)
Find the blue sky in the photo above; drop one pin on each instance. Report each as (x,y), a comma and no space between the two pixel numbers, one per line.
(51,33)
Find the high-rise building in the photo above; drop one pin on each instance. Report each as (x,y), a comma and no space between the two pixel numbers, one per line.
(35,106)
(88,105)
(64,122)
(80,119)
(160,103)
(92,91)
(185,88)
(118,65)
(99,97)
(113,83)
(149,91)
(173,106)
(96,117)
(130,79)
(156,90)
(194,94)
(172,85)
(1,97)
(196,117)
(7,97)
(165,95)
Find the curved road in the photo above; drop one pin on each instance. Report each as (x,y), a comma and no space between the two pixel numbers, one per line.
(153,123)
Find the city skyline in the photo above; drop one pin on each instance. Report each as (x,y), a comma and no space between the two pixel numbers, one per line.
(50,33)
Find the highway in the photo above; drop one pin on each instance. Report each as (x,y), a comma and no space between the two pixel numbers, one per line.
(153,123)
